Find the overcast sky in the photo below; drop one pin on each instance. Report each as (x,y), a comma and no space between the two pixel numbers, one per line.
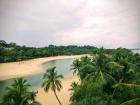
(108,23)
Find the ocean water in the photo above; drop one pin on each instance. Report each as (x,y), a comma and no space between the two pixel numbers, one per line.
(62,67)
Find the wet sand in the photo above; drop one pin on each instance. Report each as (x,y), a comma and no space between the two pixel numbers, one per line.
(34,66)
(29,67)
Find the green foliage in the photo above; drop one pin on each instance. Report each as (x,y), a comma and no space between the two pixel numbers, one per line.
(108,79)
(19,94)
(51,80)
(73,86)
(13,52)
(132,102)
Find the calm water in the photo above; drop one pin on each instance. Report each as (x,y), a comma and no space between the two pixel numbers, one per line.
(136,51)
(62,66)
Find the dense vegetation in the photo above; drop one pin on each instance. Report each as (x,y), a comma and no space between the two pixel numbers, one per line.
(19,94)
(12,52)
(107,79)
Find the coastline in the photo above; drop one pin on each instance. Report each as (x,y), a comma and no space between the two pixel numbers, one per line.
(29,67)
(64,94)
(34,66)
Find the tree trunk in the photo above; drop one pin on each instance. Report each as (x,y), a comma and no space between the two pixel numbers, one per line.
(57,97)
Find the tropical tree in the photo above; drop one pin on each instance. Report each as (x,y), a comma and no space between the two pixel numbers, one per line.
(19,94)
(73,85)
(85,60)
(135,101)
(82,67)
(76,66)
(51,80)
(108,79)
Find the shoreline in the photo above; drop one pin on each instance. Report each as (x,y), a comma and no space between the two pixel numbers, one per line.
(12,70)
(34,66)
(64,94)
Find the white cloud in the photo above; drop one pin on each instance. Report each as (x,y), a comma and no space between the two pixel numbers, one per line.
(108,23)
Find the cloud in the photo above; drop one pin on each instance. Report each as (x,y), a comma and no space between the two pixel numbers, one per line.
(108,23)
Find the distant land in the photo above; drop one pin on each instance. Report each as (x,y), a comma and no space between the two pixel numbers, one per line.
(135,49)
(10,52)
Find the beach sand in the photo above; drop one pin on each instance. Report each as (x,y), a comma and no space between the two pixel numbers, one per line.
(64,95)
(34,66)
(29,67)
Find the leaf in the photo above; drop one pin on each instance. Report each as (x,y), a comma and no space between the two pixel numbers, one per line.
(135,101)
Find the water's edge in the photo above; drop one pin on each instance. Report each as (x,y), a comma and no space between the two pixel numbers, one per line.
(35,80)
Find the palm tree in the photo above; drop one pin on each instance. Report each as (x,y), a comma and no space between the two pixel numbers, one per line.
(19,94)
(126,74)
(118,72)
(73,85)
(86,60)
(135,101)
(76,66)
(52,81)
(99,62)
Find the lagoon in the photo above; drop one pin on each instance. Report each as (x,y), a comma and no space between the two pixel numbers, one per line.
(62,66)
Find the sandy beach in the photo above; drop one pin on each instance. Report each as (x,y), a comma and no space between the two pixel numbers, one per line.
(29,67)
(64,95)
(34,66)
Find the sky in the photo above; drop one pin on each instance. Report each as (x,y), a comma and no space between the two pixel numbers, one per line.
(107,23)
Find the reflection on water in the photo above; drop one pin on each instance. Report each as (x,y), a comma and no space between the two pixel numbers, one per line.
(62,66)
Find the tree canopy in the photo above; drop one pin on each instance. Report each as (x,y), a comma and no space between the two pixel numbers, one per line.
(10,52)
(107,79)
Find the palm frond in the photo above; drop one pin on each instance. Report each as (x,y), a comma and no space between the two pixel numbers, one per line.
(135,101)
